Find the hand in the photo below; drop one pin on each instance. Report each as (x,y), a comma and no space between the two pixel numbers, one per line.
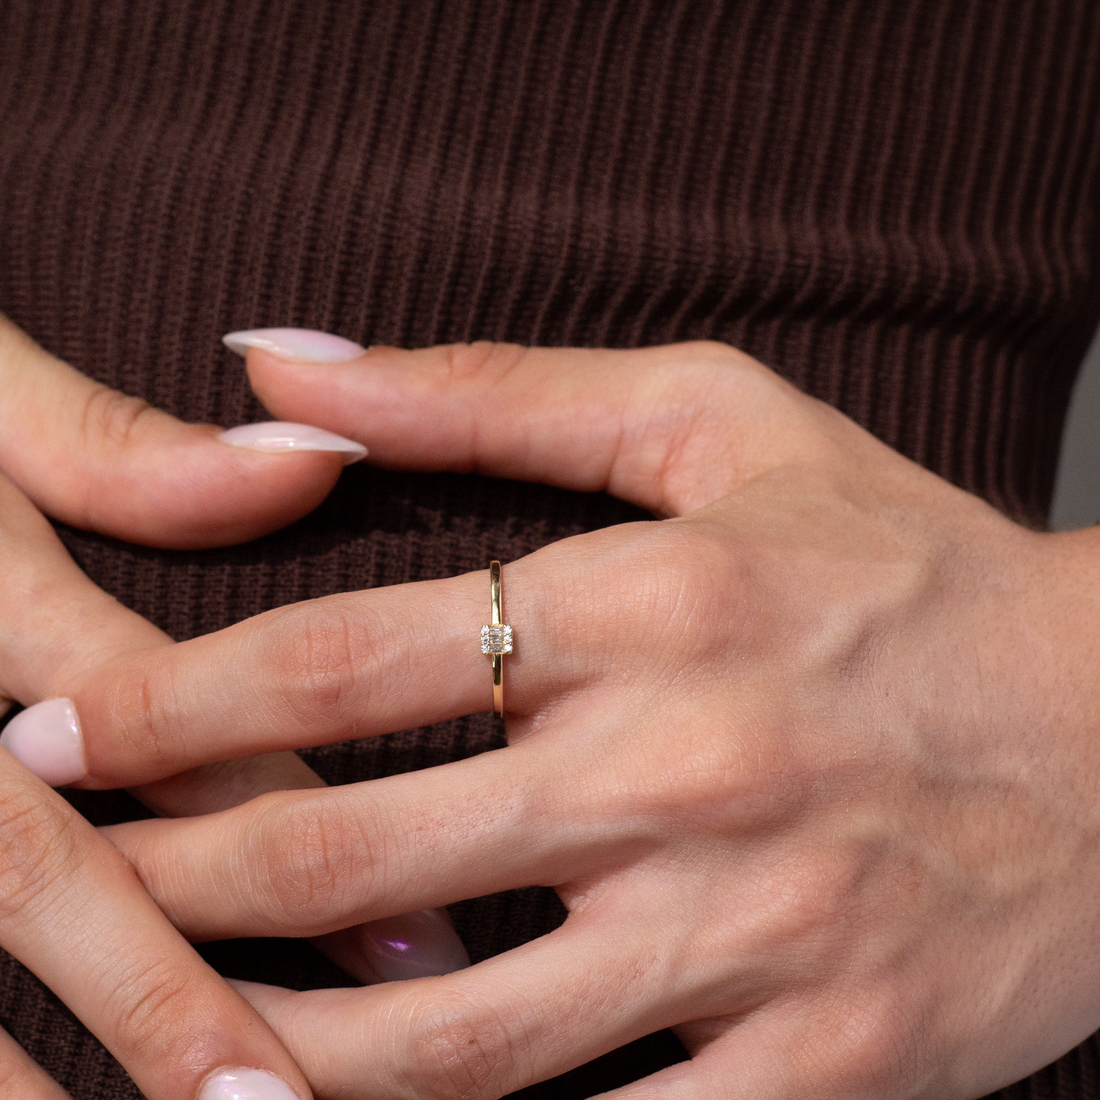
(70,908)
(813,765)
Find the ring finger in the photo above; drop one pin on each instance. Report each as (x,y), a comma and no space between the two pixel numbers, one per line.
(361,664)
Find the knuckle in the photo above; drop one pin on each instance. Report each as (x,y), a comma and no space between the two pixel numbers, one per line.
(876,1048)
(668,589)
(464,363)
(459,1051)
(110,418)
(723,363)
(318,665)
(153,1009)
(133,701)
(712,352)
(810,906)
(38,844)
(311,856)
(701,370)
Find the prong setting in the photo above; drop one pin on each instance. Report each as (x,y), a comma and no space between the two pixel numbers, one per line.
(496,639)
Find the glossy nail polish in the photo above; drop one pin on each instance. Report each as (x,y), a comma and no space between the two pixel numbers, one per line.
(415,945)
(246,1084)
(302,344)
(280,435)
(47,739)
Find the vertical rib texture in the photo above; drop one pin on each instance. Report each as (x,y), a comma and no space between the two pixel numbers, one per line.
(892,204)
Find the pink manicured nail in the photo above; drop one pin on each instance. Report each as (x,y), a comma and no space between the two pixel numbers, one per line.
(295,343)
(47,739)
(246,1084)
(416,945)
(279,435)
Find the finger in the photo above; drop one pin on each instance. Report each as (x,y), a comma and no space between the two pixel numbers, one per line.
(56,627)
(413,945)
(669,428)
(355,665)
(55,624)
(94,458)
(509,1022)
(408,946)
(789,1049)
(746,1069)
(214,787)
(309,862)
(21,1078)
(324,671)
(72,910)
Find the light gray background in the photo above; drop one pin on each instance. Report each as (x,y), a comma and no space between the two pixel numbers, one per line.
(1077,489)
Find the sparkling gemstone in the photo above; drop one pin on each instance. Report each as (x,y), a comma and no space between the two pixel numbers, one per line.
(496,639)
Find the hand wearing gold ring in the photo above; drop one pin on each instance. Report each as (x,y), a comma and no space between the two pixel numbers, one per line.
(70,910)
(813,763)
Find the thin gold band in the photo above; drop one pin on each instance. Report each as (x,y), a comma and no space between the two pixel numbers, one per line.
(498,658)
(496,640)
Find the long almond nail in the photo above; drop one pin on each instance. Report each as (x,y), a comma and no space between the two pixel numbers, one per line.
(280,435)
(47,739)
(416,945)
(246,1084)
(304,344)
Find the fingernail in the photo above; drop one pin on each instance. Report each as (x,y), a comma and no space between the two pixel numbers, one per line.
(295,343)
(416,945)
(47,739)
(279,435)
(246,1084)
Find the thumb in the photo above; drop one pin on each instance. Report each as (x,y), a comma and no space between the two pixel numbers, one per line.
(670,428)
(95,458)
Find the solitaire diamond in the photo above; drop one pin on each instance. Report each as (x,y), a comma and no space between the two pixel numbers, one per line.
(496,639)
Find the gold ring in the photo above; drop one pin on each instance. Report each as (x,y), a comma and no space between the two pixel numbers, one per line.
(496,639)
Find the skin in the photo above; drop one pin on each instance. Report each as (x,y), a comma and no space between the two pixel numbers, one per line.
(71,908)
(812,761)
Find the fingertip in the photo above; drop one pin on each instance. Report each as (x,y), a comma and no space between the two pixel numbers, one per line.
(422,944)
(244,1083)
(96,458)
(416,945)
(281,436)
(191,490)
(47,739)
(301,345)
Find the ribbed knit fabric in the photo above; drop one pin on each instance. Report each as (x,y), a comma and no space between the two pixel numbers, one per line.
(892,202)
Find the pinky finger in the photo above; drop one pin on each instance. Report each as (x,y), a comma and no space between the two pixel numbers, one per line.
(779,1054)
(23,1079)
(726,1077)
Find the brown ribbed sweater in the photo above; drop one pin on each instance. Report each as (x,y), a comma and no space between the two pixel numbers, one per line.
(891,202)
